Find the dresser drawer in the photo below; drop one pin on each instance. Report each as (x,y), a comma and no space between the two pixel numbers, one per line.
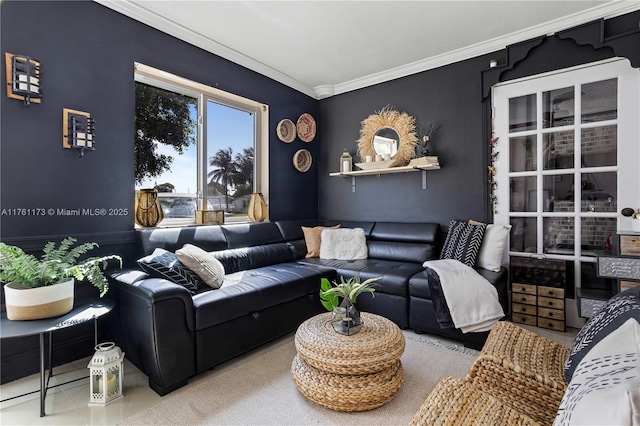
(551,313)
(547,302)
(523,309)
(523,298)
(551,292)
(524,319)
(523,288)
(551,324)
(629,245)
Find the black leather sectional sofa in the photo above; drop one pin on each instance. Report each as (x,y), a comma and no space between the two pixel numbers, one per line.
(270,288)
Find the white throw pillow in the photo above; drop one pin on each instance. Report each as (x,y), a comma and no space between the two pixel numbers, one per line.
(343,244)
(207,267)
(605,387)
(494,244)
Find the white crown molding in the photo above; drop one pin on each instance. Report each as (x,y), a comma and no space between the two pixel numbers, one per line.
(608,10)
(138,12)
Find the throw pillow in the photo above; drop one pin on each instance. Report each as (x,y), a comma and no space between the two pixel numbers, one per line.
(614,313)
(207,267)
(605,388)
(463,241)
(312,237)
(164,264)
(343,244)
(494,244)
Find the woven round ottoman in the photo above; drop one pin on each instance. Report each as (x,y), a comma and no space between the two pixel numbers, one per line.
(348,373)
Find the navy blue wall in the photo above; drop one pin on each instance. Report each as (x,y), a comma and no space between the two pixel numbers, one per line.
(88,53)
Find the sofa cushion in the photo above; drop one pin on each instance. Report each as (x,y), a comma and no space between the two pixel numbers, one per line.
(242,259)
(250,234)
(463,241)
(206,266)
(612,315)
(605,387)
(208,238)
(246,292)
(343,244)
(164,264)
(395,275)
(312,237)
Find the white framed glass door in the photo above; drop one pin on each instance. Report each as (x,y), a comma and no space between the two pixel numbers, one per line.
(568,162)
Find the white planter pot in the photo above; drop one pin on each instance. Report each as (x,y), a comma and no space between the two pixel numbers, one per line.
(635,225)
(51,301)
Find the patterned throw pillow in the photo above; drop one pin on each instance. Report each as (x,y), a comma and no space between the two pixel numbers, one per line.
(616,312)
(463,241)
(205,265)
(164,264)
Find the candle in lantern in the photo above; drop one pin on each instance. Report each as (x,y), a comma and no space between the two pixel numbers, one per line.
(111,383)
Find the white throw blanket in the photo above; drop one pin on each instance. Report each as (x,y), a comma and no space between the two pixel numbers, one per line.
(472,300)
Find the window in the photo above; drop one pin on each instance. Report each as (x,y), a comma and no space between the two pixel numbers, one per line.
(568,163)
(200,147)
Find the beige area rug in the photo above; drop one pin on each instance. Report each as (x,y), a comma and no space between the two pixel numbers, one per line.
(257,389)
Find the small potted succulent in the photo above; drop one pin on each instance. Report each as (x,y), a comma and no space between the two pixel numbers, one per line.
(43,288)
(346,317)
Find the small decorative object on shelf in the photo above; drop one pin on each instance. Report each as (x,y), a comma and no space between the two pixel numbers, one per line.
(346,162)
(106,374)
(346,317)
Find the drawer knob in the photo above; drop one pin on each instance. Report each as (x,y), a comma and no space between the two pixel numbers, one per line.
(550,303)
(550,314)
(524,309)
(550,293)
(524,299)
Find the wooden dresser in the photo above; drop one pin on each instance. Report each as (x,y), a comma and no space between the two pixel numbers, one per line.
(537,292)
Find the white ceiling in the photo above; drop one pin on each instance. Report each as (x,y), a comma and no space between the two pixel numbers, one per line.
(323,48)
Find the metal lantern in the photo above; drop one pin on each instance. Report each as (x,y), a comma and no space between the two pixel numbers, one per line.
(105,380)
(345,162)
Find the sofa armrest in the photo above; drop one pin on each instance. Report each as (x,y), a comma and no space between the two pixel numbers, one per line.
(154,323)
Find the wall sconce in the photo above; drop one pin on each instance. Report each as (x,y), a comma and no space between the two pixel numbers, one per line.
(78,130)
(23,78)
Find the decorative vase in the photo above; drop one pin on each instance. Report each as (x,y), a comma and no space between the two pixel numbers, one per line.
(346,318)
(148,209)
(24,303)
(258,210)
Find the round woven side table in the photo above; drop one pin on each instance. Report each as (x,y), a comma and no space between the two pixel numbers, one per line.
(348,373)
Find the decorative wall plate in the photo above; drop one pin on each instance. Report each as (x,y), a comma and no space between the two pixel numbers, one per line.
(286,130)
(302,160)
(306,127)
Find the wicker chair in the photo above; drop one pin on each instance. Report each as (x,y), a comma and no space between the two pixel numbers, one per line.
(517,380)
(456,402)
(523,369)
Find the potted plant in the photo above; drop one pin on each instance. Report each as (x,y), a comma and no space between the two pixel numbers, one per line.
(346,317)
(43,288)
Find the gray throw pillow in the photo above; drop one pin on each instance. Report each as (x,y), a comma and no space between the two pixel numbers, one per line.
(207,267)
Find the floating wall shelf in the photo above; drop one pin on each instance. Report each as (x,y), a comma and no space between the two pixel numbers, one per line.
(390,170)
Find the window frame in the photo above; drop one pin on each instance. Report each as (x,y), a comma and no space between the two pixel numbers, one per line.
(203,93)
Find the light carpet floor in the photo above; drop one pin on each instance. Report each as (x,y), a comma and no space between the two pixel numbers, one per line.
(257,389)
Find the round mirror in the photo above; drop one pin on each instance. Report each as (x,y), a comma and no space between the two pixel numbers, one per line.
(385,141)
(388,131)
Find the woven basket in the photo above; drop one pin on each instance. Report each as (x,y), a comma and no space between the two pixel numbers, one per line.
(456,402)
(51,301)
(347,392)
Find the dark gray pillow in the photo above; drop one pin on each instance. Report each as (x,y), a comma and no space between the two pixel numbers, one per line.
(463,241)
(164,264)
(612,315)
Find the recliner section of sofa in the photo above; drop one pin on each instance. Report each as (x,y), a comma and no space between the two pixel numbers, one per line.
(270,288)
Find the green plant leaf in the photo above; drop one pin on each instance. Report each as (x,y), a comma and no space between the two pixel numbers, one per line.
(328,298)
